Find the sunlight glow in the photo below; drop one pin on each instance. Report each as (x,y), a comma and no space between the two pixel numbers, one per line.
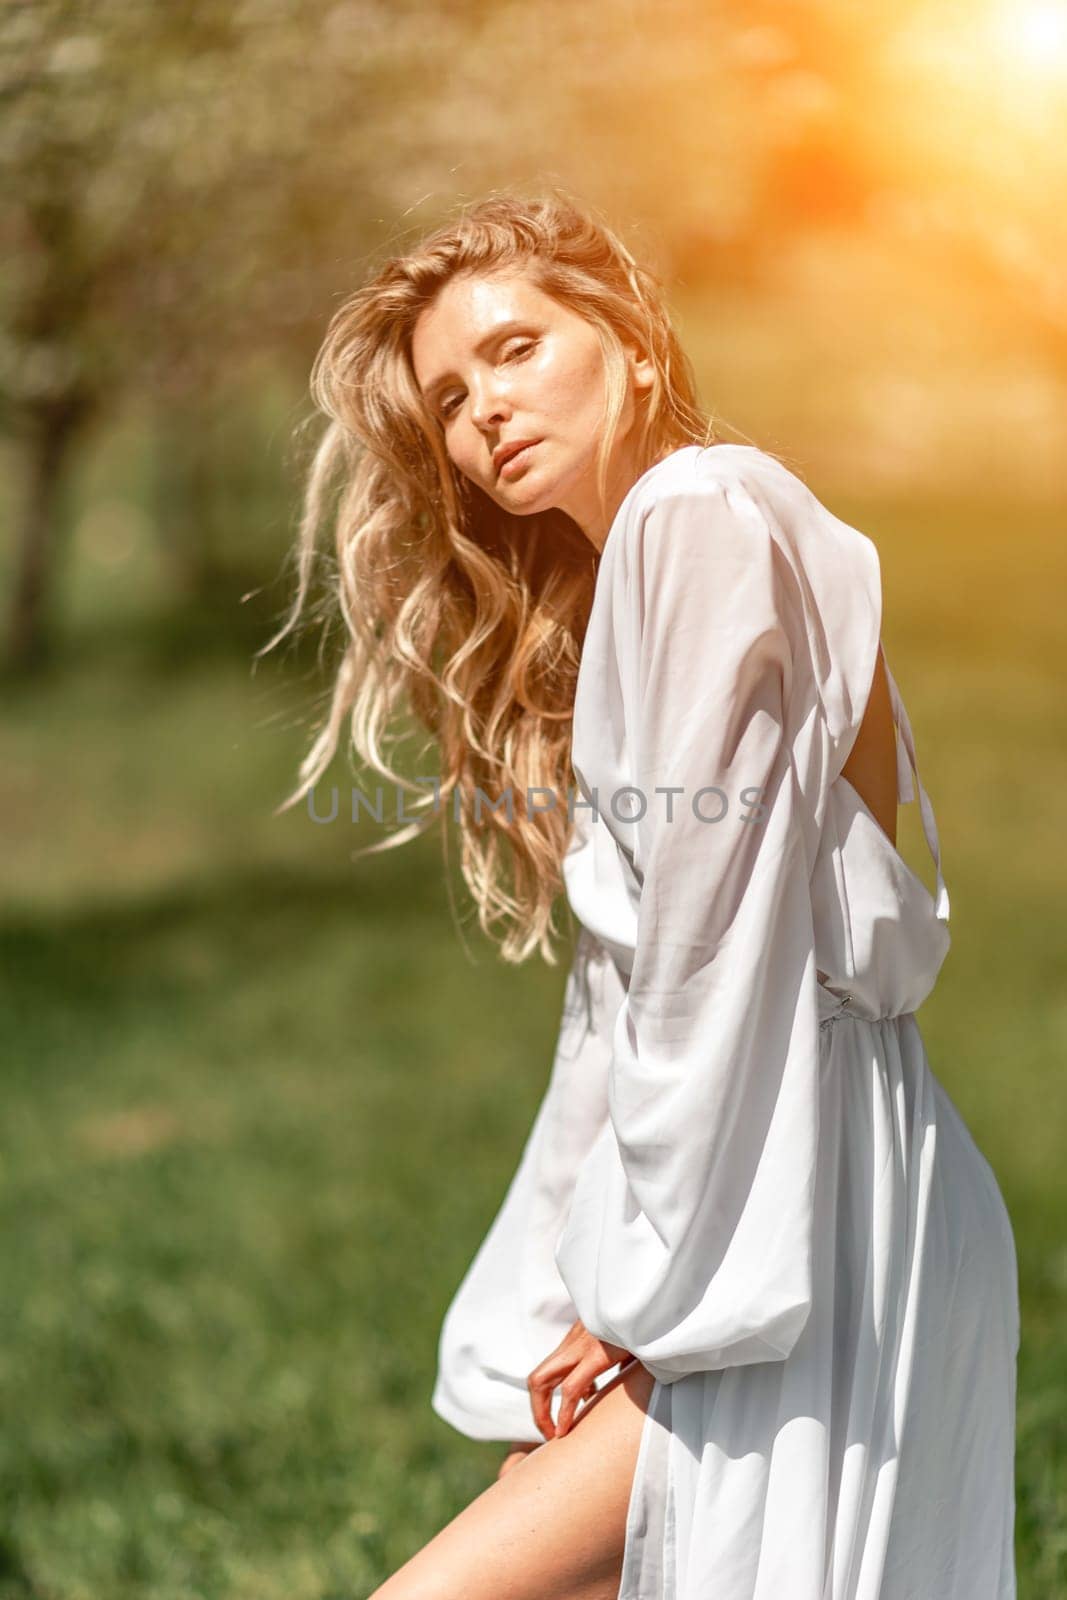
(1035,33)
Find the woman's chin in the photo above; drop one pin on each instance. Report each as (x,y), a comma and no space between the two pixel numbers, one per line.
(524,502)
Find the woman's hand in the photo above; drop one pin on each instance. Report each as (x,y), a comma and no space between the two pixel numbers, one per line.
(517,1453)
(572,1366)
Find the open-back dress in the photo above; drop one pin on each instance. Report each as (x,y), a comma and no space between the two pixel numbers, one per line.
(744,1170)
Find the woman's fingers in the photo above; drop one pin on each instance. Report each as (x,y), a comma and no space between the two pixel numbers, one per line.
(542,1384)
(574,1380)
(579,1385)
(573,1366)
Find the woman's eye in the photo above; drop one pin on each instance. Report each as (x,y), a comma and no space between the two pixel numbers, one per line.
(516,352)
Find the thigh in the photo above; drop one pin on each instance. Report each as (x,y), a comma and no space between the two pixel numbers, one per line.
(553,1528)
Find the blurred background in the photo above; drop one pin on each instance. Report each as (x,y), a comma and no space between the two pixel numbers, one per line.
(241,1069)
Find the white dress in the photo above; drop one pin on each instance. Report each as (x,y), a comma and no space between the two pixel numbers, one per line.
(744,1170)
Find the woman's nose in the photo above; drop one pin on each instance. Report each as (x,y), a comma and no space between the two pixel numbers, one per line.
(489,404)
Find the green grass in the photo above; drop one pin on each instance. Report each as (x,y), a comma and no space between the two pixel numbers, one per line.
(243,1073)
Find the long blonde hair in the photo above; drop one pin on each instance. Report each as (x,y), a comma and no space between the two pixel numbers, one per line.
(467,617)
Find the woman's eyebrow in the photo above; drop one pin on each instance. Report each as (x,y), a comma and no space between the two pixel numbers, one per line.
(498,332)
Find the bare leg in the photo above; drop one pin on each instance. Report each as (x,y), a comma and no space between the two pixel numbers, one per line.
(553,1527)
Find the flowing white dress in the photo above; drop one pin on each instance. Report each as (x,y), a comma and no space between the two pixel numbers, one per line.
(744,1170)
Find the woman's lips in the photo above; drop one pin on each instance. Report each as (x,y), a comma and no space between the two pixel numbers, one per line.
(516,463)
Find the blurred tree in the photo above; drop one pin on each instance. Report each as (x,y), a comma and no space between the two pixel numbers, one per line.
(186,190)
(173,203)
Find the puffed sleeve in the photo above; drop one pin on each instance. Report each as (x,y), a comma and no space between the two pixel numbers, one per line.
(511,1308)
(689,1237)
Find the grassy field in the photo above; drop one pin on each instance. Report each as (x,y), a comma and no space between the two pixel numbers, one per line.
(243,1073)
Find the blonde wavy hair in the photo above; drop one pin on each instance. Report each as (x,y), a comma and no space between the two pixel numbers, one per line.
(458,614)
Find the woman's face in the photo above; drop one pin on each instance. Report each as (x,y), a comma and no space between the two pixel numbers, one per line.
(499,364)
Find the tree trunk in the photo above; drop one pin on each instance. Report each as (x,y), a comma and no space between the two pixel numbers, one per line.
(49,436)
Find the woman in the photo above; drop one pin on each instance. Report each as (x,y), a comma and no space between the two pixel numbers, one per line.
(745,1188)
